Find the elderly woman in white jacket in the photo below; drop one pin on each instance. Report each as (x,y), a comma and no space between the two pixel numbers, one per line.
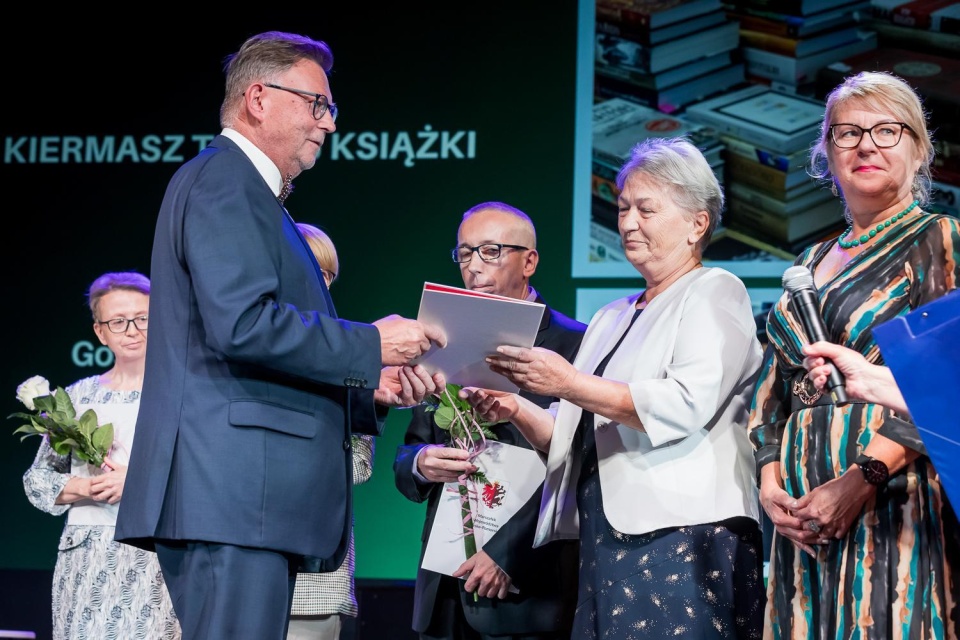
(648,460)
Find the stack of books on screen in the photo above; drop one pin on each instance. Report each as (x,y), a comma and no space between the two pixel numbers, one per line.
(665,54)
(941,16)
(931,26)
(785,43)
(936,78)
(618,126)
(767,136)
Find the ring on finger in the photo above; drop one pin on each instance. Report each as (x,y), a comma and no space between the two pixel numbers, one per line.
(813,525)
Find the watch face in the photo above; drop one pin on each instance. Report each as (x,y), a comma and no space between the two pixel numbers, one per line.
(874,471)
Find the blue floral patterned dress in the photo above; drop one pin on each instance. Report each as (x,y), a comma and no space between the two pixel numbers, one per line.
(102,590)
(892,576)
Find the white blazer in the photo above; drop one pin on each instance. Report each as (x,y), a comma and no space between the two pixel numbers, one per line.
(691,361)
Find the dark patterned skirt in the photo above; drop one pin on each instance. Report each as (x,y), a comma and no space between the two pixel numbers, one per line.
(702,581)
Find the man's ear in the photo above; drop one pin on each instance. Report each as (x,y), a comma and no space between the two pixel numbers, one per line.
(253,101)
(530,263)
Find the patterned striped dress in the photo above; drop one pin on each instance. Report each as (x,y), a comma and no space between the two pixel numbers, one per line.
(893,575)
(102,590)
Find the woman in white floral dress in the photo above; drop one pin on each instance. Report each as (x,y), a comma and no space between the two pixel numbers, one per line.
(104,590)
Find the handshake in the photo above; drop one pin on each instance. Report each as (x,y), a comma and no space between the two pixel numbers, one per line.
(401,341)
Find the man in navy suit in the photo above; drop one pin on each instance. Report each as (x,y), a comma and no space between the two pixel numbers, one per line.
(496,250)
(240,474)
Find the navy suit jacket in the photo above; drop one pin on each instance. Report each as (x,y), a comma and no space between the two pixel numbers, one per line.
(252,383)
(546,576)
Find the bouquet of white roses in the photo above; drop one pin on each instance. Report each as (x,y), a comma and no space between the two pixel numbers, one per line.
(55,417)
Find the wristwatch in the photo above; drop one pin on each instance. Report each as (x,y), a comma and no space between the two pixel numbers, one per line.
(875,471)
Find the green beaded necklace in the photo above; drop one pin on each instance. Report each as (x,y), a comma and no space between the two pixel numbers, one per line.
(850,244)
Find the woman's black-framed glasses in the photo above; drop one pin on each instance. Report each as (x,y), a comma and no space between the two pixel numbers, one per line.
(121,325)
(883,134)
(487,252)
(320,104)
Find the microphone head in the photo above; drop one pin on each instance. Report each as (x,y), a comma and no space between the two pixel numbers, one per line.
(797,277)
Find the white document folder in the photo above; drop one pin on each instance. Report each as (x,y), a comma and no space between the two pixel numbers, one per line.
(476,324)
(513,474)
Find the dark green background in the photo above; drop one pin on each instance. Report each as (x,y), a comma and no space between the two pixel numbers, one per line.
(505,71)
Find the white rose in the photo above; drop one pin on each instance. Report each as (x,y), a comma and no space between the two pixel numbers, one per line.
(32,388)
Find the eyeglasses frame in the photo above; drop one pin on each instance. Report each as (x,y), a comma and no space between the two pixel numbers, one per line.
(903,127)
(500,247)
(126,327)
(320,102)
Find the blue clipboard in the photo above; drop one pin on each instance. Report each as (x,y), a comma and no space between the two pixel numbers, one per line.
(922,349)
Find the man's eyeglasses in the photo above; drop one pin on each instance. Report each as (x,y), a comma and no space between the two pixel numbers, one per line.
(320,104)
(120,325)
(487,252)
(884,134)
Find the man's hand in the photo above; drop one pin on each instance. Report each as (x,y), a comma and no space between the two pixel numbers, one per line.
(407,386)
(437,463)
(484,577)
(402,340)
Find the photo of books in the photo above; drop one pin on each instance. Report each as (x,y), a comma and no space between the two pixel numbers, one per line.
(746,80)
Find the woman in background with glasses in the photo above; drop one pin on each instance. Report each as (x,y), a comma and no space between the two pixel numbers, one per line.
(104,590)
(865,543)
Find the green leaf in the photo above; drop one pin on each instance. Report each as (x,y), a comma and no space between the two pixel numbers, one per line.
(103,439)
(62,447)
(88,423)
(445,416)
(64,404)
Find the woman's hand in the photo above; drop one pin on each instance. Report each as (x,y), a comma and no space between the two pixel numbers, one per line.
(778,505)
(863,380)
(108,487)
(492,406)
(536,370)
(830,509)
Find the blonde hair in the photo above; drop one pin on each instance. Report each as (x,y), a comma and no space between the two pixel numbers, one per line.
(323,249)
(884,92)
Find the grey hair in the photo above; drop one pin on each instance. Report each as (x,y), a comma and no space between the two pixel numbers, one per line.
(263,57)
(680,165)
(884,92)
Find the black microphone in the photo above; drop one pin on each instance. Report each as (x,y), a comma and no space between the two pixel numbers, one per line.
(798,281)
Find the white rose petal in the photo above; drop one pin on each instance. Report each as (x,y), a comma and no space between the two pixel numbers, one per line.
(32,388)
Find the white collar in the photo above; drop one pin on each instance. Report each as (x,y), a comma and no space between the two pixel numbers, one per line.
(264,165)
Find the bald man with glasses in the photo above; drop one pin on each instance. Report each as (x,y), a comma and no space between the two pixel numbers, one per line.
(497,253)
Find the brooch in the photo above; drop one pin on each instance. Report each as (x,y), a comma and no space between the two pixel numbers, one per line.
(804,389)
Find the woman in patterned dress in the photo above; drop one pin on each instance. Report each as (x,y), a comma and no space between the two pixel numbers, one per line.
(648,460)
(103,590)
(865,542)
